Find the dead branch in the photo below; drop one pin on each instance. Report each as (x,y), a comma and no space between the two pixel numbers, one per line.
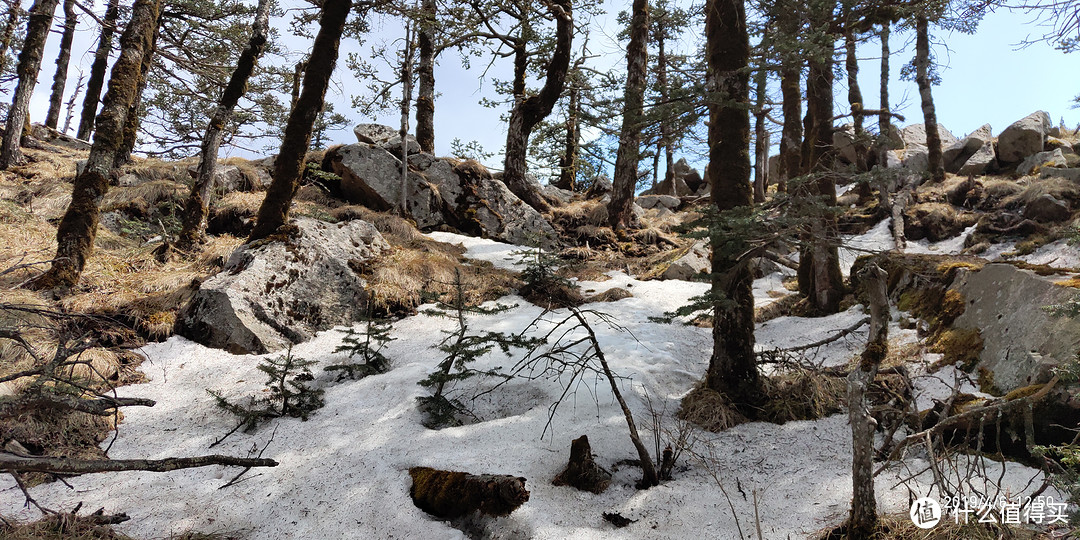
(831,338)
(13,462)
(102,406)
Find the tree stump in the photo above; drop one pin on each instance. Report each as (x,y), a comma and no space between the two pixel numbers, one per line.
(582,472)
(452,494)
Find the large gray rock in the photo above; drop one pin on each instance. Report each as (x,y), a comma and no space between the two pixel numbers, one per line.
(58,138)
(1046,209)
(979,162)
(844,143)
(659,201)
(686,175)
(1041,160)
(916,158)
(1071,174)
(915,135)
(371,176)
(1024,137)
(956,154)
(690,264)
(1022,343)
(283,289)
(385,137)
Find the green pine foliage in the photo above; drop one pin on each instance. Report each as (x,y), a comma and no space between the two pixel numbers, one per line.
(366,346)
(288,394)
(461,348)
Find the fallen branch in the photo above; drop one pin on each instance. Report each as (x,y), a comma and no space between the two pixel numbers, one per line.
(830,339)
(102,406)
(13,462)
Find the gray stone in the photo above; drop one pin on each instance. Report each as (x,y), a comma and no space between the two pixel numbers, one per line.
(1042,160)
(916,158)
(600,187)
(275,292)
(979,162)
(385,137)
(1021,341)
(1072,174)
(1024,137)
(58,138)
(659,201)
(690,264)
(958,152)
(371,176)
(844,143)
(1046,208)
(915,134)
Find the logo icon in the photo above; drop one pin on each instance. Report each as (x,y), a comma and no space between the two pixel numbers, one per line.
(925,513)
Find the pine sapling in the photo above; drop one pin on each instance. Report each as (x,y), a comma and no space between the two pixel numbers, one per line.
(365,345)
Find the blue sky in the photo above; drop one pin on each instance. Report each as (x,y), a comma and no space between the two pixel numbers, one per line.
(986,78)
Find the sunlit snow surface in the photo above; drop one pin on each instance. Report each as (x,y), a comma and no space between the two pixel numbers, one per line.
(343,473)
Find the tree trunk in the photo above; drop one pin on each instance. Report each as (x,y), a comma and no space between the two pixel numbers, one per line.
(403,131)
(820,279)
(131,121)
(195,210)
(627,156)
(37,31)
(288,167)
(71,104)
(425,97)
(883,119)
(75,234)
(761,136)
(56,100)
(922,79)
(97,71)
(790,83)
(14,10)
(528,112)
(568,161)
(854,94)
(662,83)
(732,367)
(863,519)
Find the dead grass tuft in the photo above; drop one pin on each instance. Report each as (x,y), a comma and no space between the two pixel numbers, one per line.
(1059,188)
(802,394)
(70,527)
(709,409)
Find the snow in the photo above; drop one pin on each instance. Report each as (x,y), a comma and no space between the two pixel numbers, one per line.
(344,472)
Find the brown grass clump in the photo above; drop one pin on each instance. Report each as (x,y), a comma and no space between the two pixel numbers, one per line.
(1059,188)
(900,527)
(709,410)
(802,394)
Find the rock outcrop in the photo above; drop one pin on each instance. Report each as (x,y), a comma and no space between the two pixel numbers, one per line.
(957,154)
(1024,137)
(385,137)
(283,289)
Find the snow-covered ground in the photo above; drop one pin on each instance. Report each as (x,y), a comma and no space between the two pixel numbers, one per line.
(343,473)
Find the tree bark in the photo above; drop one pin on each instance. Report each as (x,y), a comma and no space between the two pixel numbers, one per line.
(425,96)
(883,119)
(568,161)
(854,94)
(732,368)
(37,32)
(75,234)
(790,89)
(131,121)
(14,10)
(97,71)
(195,210)
(863,519)
(820,279)
(662,83)
(761,136)
(403,131)
(922,79)
(628,154)
(57,465)
(56,100)
(528,112)
(288,167)
(71,104)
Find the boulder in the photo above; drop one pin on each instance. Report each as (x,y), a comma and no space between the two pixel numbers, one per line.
(686,175)
(385,137)
(283,289)
(1042,160)
(1046,208)
(690,264)
(600,187)
(659,201)
(58,138)
(916,158)
(915,135)
(1022,343)
(844,143)
(960,151)
(371,176)
(1072,174)
(979,161)
(1024,137)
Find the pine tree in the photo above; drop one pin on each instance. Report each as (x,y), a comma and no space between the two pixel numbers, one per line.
(367,346)
(626,161)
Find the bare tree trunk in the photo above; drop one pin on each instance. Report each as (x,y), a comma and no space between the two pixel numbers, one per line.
(628,155)
(288,167)
(761,136)
(790,88)
(662,83)
(71,104)
(425,97)
(883,119)
(37,31)
(97,71)
(75,234)
(529,112)
(922,79)
(569,159)
(60,465)
(820,279)
(195,210)
(854,95)
(863,519)
(131,121)
(403,131)
(63,58)
(732,367)
(14,10)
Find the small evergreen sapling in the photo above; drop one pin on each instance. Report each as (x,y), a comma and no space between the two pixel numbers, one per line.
(462,348)
(289,394)
(366,345)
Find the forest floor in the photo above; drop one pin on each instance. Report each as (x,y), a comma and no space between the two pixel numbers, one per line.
(344,471)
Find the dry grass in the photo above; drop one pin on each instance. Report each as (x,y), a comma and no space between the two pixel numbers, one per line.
(1059,188)
(65,526)
(802,394)
(900,527)
(710,410)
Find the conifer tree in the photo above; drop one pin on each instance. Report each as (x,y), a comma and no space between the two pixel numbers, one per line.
(37,31)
